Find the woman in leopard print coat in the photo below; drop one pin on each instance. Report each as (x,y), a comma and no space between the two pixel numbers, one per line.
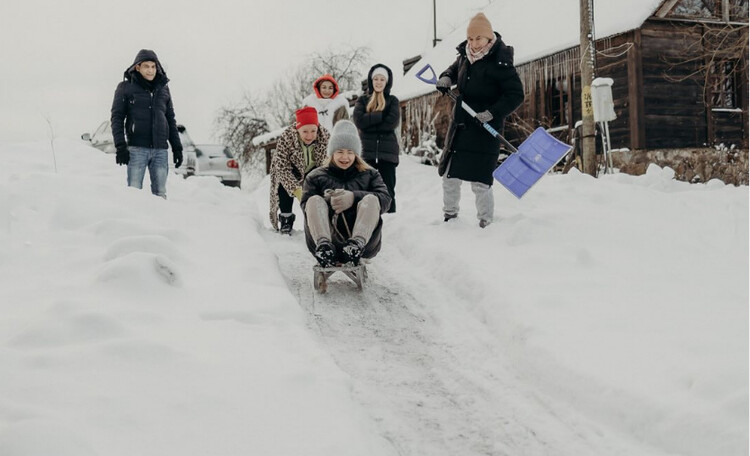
(300,149)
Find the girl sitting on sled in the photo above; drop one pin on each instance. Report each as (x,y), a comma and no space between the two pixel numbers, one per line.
(343,201)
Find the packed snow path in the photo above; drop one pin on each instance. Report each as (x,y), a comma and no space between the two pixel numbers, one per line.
(596,316)
(434,379)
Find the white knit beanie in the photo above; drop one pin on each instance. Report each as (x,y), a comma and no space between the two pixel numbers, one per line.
(344,136)
(380,71)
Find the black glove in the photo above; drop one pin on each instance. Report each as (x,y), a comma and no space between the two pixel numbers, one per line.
(177,156)
(444,85)
(122,156)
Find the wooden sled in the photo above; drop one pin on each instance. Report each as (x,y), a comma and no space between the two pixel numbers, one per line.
(358,275)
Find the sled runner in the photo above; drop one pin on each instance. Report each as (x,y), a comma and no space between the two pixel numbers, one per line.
(527,164)
(358,275)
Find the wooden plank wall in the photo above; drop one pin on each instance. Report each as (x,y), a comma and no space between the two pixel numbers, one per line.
(612,62)
(657,92)
(674,111)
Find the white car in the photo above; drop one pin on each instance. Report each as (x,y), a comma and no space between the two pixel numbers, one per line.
(102,139)
(213,160)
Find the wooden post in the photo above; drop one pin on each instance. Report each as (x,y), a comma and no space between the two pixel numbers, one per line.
(588,54)
(635,94)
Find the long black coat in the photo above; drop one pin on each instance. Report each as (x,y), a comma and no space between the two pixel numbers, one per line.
(377,129)
(361,183)
(492,84)
(142,111)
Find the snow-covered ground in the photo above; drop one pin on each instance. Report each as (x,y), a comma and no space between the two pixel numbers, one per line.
(595,316)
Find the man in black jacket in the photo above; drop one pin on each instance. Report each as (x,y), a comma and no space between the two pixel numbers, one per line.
(143,121)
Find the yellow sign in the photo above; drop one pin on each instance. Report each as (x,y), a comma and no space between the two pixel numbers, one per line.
(587,102)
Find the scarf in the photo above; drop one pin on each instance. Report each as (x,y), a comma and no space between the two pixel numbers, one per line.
(475,56)
(308,153)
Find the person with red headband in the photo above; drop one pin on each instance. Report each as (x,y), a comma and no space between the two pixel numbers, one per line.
(301,148)
(328,101)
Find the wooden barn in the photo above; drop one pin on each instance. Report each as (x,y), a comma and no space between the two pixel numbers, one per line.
(680,71)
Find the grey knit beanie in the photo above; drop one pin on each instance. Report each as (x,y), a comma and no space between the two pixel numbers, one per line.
(344,136)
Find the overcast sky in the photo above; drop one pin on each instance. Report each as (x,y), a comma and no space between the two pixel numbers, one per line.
(61,60)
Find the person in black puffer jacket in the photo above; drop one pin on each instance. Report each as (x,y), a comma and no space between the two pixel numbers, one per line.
(488,82)
(343,201)
(143,122)
(376,115)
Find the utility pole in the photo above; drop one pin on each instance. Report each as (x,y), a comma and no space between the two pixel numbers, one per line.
(435,39)
(588,55)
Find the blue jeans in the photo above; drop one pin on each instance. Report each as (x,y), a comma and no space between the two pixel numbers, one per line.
(158,168)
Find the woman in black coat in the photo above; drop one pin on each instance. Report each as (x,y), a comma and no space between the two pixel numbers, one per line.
(376,115)
(343,201)
(488,83)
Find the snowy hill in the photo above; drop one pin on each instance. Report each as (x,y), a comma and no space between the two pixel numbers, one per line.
(605,316)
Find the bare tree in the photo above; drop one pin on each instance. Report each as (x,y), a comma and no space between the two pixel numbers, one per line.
(286,95)
(51,136)
(347,66)
(239,124)
(716,59)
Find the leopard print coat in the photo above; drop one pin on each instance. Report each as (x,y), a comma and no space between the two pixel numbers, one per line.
(288,166)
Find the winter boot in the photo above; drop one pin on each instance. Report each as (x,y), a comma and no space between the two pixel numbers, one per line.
(483,223)
(447,216)
(287,221)
(353,250)
(325,253)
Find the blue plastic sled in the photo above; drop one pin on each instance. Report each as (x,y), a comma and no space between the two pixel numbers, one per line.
(537,155)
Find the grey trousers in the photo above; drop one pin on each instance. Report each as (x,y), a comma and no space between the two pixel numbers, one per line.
(318,216)
(485,201)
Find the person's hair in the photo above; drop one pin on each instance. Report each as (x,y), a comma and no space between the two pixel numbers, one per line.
(377,102)
(359,164)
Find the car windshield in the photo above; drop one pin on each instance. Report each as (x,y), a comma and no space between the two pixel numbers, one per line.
(215,150)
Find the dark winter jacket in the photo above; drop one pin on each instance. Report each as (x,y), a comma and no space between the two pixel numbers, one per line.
(142,111)
(361,183)
(491,84)
(378,129)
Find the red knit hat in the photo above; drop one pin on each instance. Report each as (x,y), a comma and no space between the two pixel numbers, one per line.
(306,116)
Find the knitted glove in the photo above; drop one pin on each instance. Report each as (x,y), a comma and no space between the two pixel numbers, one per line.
(444,84)
(177,157)
(484,116)
(342,200)
(122,157)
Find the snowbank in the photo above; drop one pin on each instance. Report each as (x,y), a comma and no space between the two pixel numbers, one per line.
(135,325)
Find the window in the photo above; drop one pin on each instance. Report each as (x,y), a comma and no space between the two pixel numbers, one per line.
(712,9)
(556,102)
(722,84)
(738,10)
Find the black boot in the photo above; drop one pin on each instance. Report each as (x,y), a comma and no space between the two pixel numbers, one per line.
(353,250)
(287,221)
(325,253)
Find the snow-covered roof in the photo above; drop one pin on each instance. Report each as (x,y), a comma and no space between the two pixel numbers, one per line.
(556,28)
(266,137)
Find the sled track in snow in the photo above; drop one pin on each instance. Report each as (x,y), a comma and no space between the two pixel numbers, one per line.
(428,393)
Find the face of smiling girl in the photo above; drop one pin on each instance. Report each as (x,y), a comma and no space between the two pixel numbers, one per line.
(326,89)
(344,158)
